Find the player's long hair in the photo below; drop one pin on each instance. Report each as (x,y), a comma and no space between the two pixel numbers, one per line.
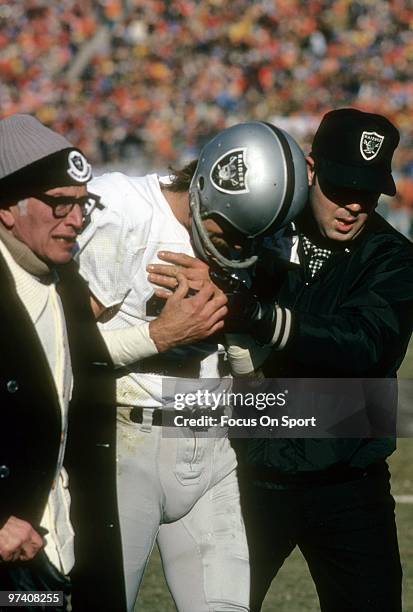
(180,178)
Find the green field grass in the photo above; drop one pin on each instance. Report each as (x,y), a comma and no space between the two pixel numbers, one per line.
(293,590)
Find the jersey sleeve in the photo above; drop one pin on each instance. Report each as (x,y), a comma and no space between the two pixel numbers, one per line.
(111,247)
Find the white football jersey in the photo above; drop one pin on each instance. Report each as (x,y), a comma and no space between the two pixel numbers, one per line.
(121,239)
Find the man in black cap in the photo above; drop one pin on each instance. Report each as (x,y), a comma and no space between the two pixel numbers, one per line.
(55,380)
(344,309)
(351,304)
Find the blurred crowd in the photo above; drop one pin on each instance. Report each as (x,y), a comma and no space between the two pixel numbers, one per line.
(147,82)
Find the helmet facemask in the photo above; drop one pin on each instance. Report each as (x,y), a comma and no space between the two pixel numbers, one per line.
(206,250)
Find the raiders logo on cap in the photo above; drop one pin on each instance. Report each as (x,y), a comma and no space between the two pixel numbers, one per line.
(229,173)
(370,144)
(78,167)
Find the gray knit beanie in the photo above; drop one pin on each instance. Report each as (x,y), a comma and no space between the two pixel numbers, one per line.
(34,158)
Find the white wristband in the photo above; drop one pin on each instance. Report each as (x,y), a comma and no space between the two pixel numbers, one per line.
(129,344)
(244,354)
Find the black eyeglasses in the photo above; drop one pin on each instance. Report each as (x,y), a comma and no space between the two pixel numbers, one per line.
(63,205)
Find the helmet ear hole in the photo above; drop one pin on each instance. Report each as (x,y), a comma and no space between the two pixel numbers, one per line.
(201,183)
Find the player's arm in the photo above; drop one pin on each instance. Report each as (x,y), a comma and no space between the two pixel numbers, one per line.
(125,345)
(110,252)
(183,320)
(109,260)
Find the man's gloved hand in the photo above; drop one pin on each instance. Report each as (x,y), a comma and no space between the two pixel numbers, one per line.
(247,314)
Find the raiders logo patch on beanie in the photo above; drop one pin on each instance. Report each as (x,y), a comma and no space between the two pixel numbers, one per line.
(34,158)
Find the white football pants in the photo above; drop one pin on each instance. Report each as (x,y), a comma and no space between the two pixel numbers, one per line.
(182,491)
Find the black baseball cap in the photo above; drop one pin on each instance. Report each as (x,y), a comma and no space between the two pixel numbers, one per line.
(354,149)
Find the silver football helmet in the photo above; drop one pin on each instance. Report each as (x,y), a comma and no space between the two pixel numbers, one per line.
(252,179)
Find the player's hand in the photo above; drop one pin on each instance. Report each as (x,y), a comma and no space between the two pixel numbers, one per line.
(195,271)
(19,541)
(184,320)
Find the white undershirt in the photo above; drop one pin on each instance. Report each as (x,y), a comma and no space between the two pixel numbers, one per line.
(44,307)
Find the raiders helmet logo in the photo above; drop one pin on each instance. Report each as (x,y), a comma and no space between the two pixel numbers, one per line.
(78,167)
(370,144)
(229,173)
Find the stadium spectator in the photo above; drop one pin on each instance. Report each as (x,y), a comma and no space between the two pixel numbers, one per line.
(146,79)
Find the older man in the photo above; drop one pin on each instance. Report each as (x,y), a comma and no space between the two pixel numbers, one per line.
(52,357)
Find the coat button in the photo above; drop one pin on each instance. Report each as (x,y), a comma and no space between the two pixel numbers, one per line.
(4,471)
(12,386)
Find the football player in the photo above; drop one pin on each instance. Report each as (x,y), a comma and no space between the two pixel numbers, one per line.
(182,490)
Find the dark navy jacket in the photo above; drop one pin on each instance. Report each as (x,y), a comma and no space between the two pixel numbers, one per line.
(352,320)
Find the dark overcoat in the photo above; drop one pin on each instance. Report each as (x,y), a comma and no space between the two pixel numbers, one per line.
(31,429)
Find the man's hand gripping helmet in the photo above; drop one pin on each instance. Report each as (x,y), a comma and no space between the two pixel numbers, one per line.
(252,179)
